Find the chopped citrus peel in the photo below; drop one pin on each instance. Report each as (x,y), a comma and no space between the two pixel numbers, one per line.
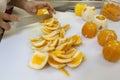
(60,50)
(54,63)
(39,60)
(63,70)
(77,59)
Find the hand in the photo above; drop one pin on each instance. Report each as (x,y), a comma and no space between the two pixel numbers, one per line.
(5,25)
(32,7)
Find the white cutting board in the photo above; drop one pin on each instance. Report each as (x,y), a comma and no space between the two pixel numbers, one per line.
(15,53)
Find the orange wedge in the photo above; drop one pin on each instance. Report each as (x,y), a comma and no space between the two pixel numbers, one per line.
(61,60)
(46,31)
(63,70)
(39,43)
(38,60)
(54,63)
(62,33)
(77,59)
(66,27)
(76,40)
(68,54)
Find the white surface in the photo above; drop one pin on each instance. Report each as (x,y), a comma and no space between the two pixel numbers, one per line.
(15,53)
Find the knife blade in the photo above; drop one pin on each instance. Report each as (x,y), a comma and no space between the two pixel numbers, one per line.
(24,21)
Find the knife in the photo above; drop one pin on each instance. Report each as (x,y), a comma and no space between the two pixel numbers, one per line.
(24,21)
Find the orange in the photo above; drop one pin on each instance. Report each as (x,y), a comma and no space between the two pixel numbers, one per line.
(106,35)
(42,11)
(79,8)
(89,29)
(111,51)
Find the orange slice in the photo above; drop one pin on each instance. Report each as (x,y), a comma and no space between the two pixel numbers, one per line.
(106,35)
(78,58)
(46,31)
(68,54)
(89,30)
(65,55)
(76,40)
(38,60)
(63,70)
(66,27)
(61,60)
(111,51)
(34,39)
(39,43)
(54,63)
(62,33)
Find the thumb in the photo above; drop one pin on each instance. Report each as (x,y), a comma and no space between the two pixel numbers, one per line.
(6,16)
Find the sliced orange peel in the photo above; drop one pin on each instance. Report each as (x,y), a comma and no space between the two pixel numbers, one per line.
(60,50)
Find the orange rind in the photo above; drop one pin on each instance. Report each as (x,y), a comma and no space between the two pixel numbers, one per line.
(39,60)
(77,59)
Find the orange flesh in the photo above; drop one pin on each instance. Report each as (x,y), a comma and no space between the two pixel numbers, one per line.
(89,30)
(111,51)
(111,11)
(106,35)
(37,59)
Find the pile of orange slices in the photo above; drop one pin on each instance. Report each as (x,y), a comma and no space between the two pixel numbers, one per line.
(53,48)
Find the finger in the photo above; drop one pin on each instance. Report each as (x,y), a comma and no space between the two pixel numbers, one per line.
(6,16)
(4,25)
(51,9)
(1,30)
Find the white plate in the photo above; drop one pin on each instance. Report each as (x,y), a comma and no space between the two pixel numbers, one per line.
(15,53)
